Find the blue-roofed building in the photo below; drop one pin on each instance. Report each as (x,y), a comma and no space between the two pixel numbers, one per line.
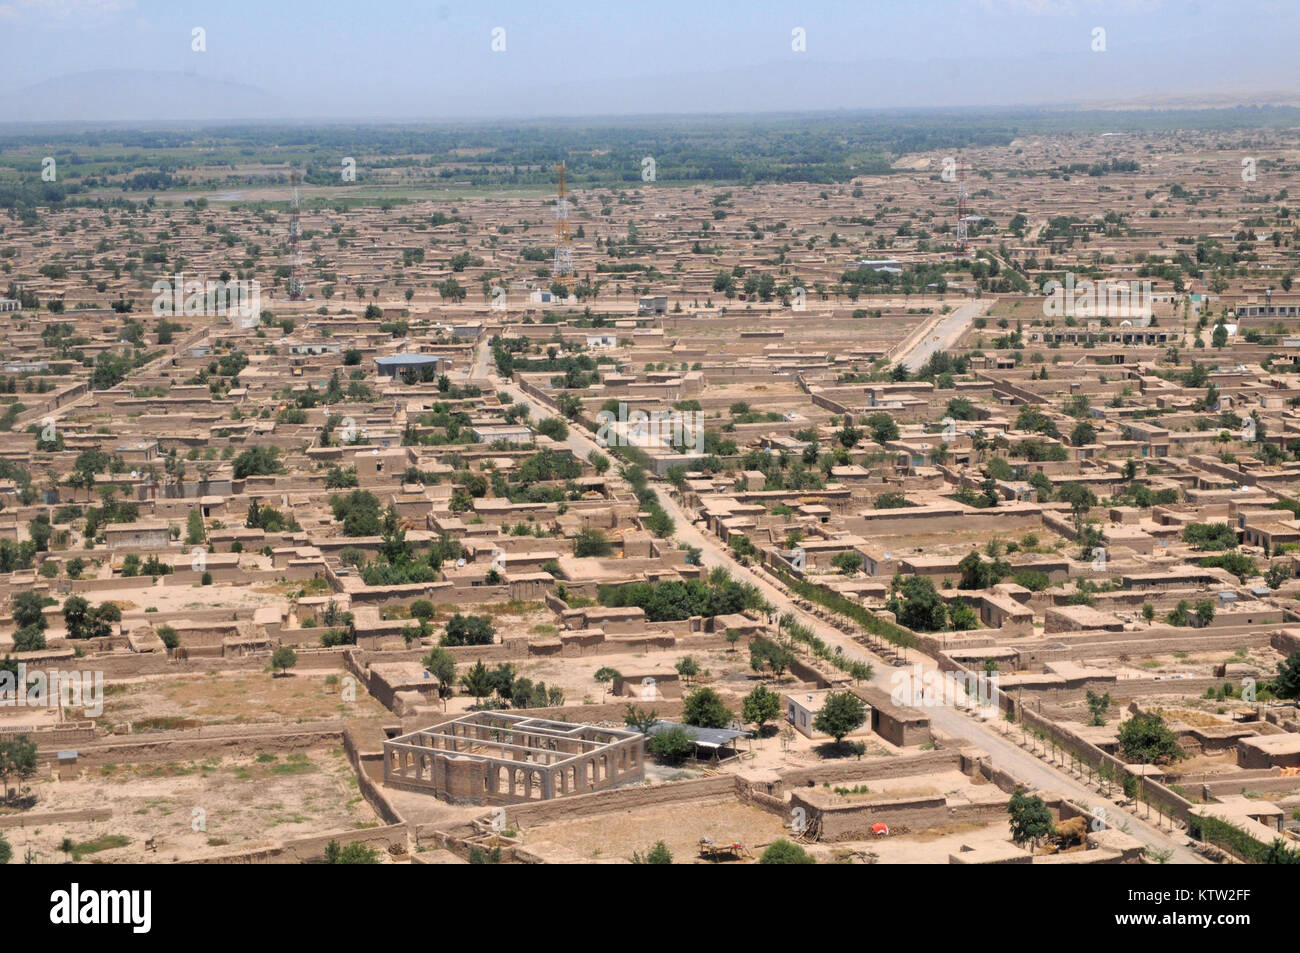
(393,365)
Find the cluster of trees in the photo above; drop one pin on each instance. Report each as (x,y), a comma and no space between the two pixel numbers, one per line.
(354,853)
(978,574)
(257,461)
(502,685)
(769,655)
(918,606)
(29,617)
(82,620)
(358,511)
(673,600)
(17,761)
(1209,536)
(1146,739)
(133,565)
(397,562)
(468,630)
(591,542)
(268,518)
(86,622)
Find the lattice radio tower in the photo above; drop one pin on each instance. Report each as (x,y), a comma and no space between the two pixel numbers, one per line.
(563,246)
(962,210)
(295,243)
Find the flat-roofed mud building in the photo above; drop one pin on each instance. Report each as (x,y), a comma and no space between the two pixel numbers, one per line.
(497,757)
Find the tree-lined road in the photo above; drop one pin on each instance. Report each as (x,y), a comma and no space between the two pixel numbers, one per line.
(1003,753)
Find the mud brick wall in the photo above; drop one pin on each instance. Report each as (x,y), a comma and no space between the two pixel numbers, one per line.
(872,768)
(313,848)
(854,821)
(194,745)
(615,800)
(362,763)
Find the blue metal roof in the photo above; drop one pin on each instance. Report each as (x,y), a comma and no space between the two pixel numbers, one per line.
(409,359)
(708,737)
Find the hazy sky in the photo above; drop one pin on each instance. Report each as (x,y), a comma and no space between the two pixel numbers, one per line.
(434,59)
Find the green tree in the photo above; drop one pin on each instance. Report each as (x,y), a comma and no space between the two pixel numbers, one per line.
(761,706)
(441,664)
(553,427)
(883,427)
(1030,818)
(591,542)
(672,745)
(847,562)
(605,675)
(687,668)
(30,638)
(658,854)
(916,604)
(83,622)
(257,461)
(842,713)
(354,853)
(1081,500)
(1279,853)
(1146,739)
(478,682)
(469,630)
(1098,705)
(640,719)
(704,708)
(40,530)
(194,533)
(17,760)
(1287,683)
(767,654)
(29,609)
(1204,611)
(782,851)
(284,658)
(1211,536)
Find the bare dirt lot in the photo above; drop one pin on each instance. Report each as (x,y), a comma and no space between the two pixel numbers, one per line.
(680,827)
(236,804)
(231,699)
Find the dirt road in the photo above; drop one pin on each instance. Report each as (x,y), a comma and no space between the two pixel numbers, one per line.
(1002,752)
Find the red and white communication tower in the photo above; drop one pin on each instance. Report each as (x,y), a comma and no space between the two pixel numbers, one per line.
(962,210)
(563,246)
(295,243)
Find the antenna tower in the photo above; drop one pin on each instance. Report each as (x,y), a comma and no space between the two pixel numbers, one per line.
(962,210)
(295,247)
(563,247)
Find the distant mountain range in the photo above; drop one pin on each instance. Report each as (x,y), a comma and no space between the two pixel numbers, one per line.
(124,95)
(148,96)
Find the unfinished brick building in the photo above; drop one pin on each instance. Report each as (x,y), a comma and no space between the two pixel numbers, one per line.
(502,758)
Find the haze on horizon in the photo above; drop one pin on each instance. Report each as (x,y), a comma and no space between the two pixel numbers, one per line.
(134,60)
